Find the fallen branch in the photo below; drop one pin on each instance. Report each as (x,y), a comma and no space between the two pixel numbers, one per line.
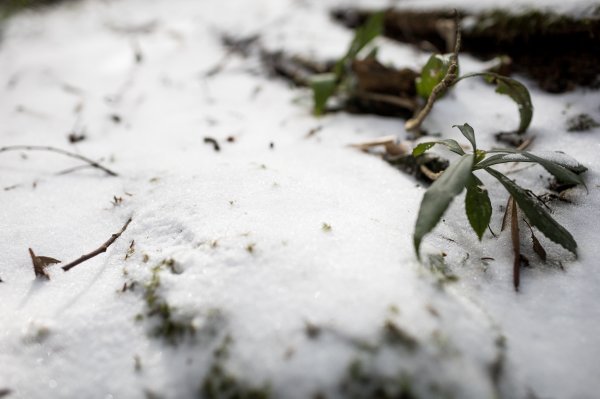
(89,161)
(98,251)
(448,80)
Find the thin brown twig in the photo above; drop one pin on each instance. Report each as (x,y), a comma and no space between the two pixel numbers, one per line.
(448,80)
(98,251)
(516,243)
(89,161)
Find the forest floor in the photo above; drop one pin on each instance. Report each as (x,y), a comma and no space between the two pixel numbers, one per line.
(265,256)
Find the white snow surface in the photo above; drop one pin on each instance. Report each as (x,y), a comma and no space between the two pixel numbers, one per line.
(300,252)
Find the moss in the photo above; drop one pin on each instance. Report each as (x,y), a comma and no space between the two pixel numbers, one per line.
(440,270)
(221,383)
(362,383)
(581,123)
(395,335)
(169,324)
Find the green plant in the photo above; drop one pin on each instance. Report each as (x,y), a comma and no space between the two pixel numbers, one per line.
(437,76)
(326,84)
(441,72)
(460,175)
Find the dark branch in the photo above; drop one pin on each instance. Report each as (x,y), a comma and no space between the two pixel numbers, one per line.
(98,251)
(89,161)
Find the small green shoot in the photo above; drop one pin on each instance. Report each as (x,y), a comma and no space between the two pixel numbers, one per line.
(459,176)
(326,85)
(441,72)
(323,86)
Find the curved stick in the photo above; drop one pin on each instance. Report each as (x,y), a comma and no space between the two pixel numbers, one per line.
(59,151)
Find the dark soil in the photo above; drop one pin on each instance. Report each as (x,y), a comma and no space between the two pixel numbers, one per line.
(379,89)
(559,52)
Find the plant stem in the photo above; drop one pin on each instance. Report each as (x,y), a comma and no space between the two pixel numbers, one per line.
(59,151)
(451,75)
(516,242)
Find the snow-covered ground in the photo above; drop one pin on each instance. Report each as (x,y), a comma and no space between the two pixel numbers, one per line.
(290,256)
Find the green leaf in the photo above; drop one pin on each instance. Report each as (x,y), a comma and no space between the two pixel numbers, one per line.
(451,144)
(323,87)
(536,213)
(565,169)
(478,206)
(439,196)
(512,88)
(432,73)
(363,36)
(561,173)
(498,159)
(469,133)
(508,155)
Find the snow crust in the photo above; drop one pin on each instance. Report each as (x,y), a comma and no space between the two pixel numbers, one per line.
(300,251)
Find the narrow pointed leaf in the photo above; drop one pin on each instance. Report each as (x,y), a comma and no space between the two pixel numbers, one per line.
(451,144)
(536,214)
(496,159)
(561,173)
(561,168)
(512,88)
(537,246)
(323,87)
(508,155)
(363,36)
(439,196)
(468,132)
(478,206)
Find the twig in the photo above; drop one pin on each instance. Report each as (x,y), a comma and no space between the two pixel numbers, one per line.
(431,175)
(213,142)
(58,151)
(98,251)
(526,143)
(451,75)
(71,170)
(392,147)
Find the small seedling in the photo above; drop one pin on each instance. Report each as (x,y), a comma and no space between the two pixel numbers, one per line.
(220,382)
(326,85)
(441,73)
(459,176)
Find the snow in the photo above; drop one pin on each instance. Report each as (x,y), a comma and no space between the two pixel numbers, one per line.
(248,227)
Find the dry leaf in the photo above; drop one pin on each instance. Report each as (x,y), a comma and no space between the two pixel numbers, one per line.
(537,246)
(40,263)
